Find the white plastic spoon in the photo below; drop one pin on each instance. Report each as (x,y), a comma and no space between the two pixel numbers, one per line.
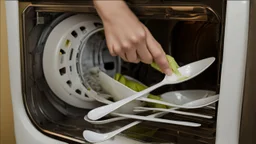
(95,137)
(175,111)
(99,137)
(123,117)
(105,121)
(190,71)
(145,118)
(199,103)
(126,116)
(97,97)
(194,104)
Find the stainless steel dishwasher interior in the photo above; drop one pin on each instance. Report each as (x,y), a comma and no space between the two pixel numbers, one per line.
(188,32)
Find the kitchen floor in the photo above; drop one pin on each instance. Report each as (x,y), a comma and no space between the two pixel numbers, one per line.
(6,114)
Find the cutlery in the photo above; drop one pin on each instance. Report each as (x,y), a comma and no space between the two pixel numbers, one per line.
(94,137)
(189,71)
(193,104)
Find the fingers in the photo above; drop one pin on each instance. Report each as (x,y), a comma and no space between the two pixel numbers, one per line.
(111,44)
(144,54)
(126,52)
(118,51)
(132,56)
(157,53)
(129,48)
(135,46)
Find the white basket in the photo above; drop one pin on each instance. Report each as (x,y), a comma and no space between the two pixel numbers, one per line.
(64,52)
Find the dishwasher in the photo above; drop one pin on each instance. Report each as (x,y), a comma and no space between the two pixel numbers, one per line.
(58,41)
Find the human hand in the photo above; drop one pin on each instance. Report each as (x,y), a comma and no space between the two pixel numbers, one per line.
(127,37)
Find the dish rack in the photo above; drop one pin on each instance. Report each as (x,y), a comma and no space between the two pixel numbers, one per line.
(59,113)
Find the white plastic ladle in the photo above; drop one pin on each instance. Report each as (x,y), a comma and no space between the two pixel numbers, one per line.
(190,71)
(94,137)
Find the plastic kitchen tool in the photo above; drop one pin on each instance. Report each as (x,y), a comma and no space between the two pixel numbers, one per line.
(199,103)
(189,71)
(99,137)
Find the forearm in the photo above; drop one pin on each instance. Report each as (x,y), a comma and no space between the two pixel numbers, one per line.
(110,9)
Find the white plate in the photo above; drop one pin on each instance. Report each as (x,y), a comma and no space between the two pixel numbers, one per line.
(178,98)
(185,96)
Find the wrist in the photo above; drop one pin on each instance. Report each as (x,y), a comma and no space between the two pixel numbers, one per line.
(108,10)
